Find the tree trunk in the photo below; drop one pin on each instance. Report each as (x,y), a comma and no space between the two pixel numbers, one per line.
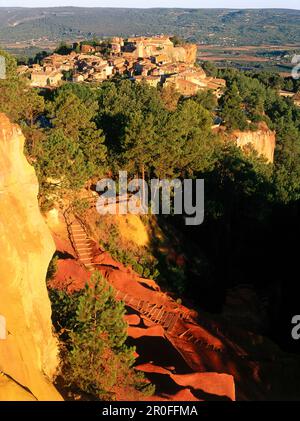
(143,191)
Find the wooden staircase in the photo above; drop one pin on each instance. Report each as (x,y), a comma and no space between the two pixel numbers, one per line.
(156,313)
(83,244)
(153,312)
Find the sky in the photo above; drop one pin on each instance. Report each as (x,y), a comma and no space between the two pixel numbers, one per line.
(234,4)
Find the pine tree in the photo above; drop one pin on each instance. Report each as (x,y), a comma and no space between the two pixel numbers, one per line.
(97,361)
(232,109)
(17,100)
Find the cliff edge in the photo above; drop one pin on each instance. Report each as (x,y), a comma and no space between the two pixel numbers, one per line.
(28,350)
(261,140)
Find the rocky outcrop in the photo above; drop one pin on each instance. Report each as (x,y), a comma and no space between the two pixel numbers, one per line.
(186,53)
(200,386)
(28,350)
(154,46)
(261,140)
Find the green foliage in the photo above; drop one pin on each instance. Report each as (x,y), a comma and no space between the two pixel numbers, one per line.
(63,49)
(96,359)
(210,68)
(39,57)
(69,113)
(287,160)
(170,97)
(80,206)
(73,149)
(141,260)
(207,99)
(20,103)
(177,41)
(232,110)
(61,162)
(146,138)
(258,98)
(52,268)
(176,279)
(246,98)
(236,175)
(67,75)
(186,141)
(269,79)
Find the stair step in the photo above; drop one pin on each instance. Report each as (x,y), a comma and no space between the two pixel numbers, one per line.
(84,247)
(164,317)
(173,322)
(84,250)
(167,320)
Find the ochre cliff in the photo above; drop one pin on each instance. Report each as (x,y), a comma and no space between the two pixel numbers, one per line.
(28,350)
(186,53)
(261,140)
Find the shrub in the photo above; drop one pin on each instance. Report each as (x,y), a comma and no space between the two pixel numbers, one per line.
(52,268)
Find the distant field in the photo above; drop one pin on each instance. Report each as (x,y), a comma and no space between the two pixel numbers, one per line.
(250,58)
(265,57)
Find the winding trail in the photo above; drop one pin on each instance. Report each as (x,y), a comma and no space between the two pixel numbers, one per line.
(190,339)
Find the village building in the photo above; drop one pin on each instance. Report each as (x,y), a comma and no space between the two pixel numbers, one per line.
(161,59)
(85,49)
(150,80)
(118,40)
(153,60)
(184,87)
(78,77)
(43,78)
(21,70)
(116,48)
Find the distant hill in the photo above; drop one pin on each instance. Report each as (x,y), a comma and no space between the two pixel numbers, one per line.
(221,26)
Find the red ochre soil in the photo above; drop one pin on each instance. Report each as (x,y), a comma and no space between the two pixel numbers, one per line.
(215,368)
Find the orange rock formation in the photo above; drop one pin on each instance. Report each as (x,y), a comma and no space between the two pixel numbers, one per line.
(28,350)
(261,140)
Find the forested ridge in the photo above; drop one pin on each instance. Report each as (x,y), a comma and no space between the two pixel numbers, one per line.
(210,26)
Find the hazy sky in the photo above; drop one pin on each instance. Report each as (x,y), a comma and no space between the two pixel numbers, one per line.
(291,4)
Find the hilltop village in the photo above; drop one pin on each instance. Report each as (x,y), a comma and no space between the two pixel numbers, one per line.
(155,60)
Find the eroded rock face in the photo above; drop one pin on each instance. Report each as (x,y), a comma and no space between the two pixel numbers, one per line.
(28,354)
(185,53)
(261,140)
